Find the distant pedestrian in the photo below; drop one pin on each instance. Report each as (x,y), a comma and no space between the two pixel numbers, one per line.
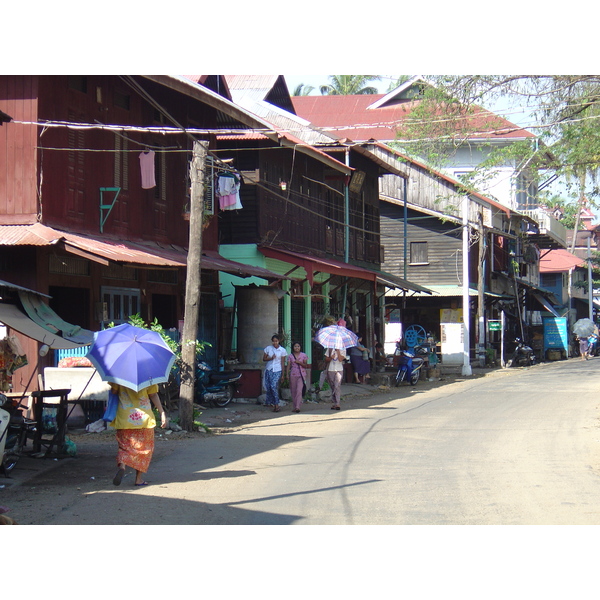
(361,365)
(583,347)
(274,355)
(296,373)
(335,367)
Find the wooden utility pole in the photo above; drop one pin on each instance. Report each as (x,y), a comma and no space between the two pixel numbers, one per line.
(192,288)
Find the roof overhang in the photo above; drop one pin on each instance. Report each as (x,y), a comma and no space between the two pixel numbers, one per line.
(314,264)
(545,303)
(138,254)
(439,290)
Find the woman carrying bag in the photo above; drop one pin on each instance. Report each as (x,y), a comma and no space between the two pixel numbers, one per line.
(296,373)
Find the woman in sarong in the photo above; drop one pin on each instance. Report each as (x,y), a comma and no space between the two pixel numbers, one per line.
(135,425)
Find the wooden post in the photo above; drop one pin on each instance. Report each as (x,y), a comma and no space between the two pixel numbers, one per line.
(192,288)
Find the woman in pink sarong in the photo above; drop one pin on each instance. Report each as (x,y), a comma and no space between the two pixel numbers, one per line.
(296,373)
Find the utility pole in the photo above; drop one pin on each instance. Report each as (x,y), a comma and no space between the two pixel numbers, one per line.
(192,288)
(466,368)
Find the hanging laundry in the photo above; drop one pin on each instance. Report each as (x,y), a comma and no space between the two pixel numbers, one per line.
(228,191)
(147,169)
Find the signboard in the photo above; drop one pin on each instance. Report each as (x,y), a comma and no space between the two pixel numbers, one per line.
(555,334)
(453,350)
(494,325)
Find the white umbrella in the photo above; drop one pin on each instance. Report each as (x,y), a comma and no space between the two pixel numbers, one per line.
(584,327)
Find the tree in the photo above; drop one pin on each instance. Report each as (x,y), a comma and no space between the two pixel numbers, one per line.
(346,85)
(398,82)
(303,90)
(564,112)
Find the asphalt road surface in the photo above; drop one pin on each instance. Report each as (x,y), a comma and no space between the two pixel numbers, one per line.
(518,447)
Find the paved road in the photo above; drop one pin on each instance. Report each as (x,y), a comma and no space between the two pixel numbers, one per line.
(516,447)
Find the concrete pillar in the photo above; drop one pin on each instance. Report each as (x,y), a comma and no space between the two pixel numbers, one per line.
(257,312)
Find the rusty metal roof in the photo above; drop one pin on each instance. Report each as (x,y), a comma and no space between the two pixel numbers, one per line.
(141,253)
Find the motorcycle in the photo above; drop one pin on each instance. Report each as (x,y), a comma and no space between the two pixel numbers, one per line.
(523,355)
(216,388)
(409,365)
(14,431)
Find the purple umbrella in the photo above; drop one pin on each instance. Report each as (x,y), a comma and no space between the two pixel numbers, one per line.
(131,356)
(336,336)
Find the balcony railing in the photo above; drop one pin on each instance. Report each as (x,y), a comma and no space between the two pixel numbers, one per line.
(548,225)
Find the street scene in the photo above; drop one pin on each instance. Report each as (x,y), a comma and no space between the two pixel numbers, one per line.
(363,302)
(235,304)
(506,447)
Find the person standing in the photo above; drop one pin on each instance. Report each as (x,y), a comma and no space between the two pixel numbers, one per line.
(360,365)
(335,367)
(296,374)
(274,355)
(135,423)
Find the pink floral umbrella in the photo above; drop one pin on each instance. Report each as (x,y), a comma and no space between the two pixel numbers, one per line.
(336,336)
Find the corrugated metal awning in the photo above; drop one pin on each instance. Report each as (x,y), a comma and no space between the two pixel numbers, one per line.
(141,254)
(314,264)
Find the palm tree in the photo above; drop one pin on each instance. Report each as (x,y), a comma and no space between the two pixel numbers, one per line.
(346,85)
(398,82)
(303,90)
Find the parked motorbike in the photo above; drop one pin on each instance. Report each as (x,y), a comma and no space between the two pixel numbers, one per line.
(14,431)
(523,355)
(216,388)
(409,365)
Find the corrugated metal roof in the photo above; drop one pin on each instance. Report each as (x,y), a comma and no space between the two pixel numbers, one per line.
(559,261)
(352,116)
(146,253)
(441,290)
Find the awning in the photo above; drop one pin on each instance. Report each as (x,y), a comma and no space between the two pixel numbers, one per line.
(104,250)
(313,264)
(16,319)
(394,282)
(25,311)
(212,260)
(441,290)
(545,303)
(41,314)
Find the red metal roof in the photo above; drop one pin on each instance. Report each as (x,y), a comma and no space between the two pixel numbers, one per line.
(146,253)
(559,261)
(350,116)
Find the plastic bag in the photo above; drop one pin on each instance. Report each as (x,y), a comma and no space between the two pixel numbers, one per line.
(111,407)
(69,447)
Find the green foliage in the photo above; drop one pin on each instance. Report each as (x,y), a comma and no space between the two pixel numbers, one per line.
(303,90)
(175,346)
(197,423)
(345,85)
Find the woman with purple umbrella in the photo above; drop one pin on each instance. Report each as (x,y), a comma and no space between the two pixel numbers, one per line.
(135,425)
(133,361)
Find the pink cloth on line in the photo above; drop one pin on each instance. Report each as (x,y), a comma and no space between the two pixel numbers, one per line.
(147,169)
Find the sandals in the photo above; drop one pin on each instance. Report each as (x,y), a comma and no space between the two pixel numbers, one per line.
(276,409)
(335,407)
(119,477)
(143,483)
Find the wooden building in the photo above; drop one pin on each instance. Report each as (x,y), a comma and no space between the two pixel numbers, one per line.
(94,184)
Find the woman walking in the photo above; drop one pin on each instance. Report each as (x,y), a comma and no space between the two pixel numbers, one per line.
(296,374)
(274,355)
(135,425)
(335,367)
